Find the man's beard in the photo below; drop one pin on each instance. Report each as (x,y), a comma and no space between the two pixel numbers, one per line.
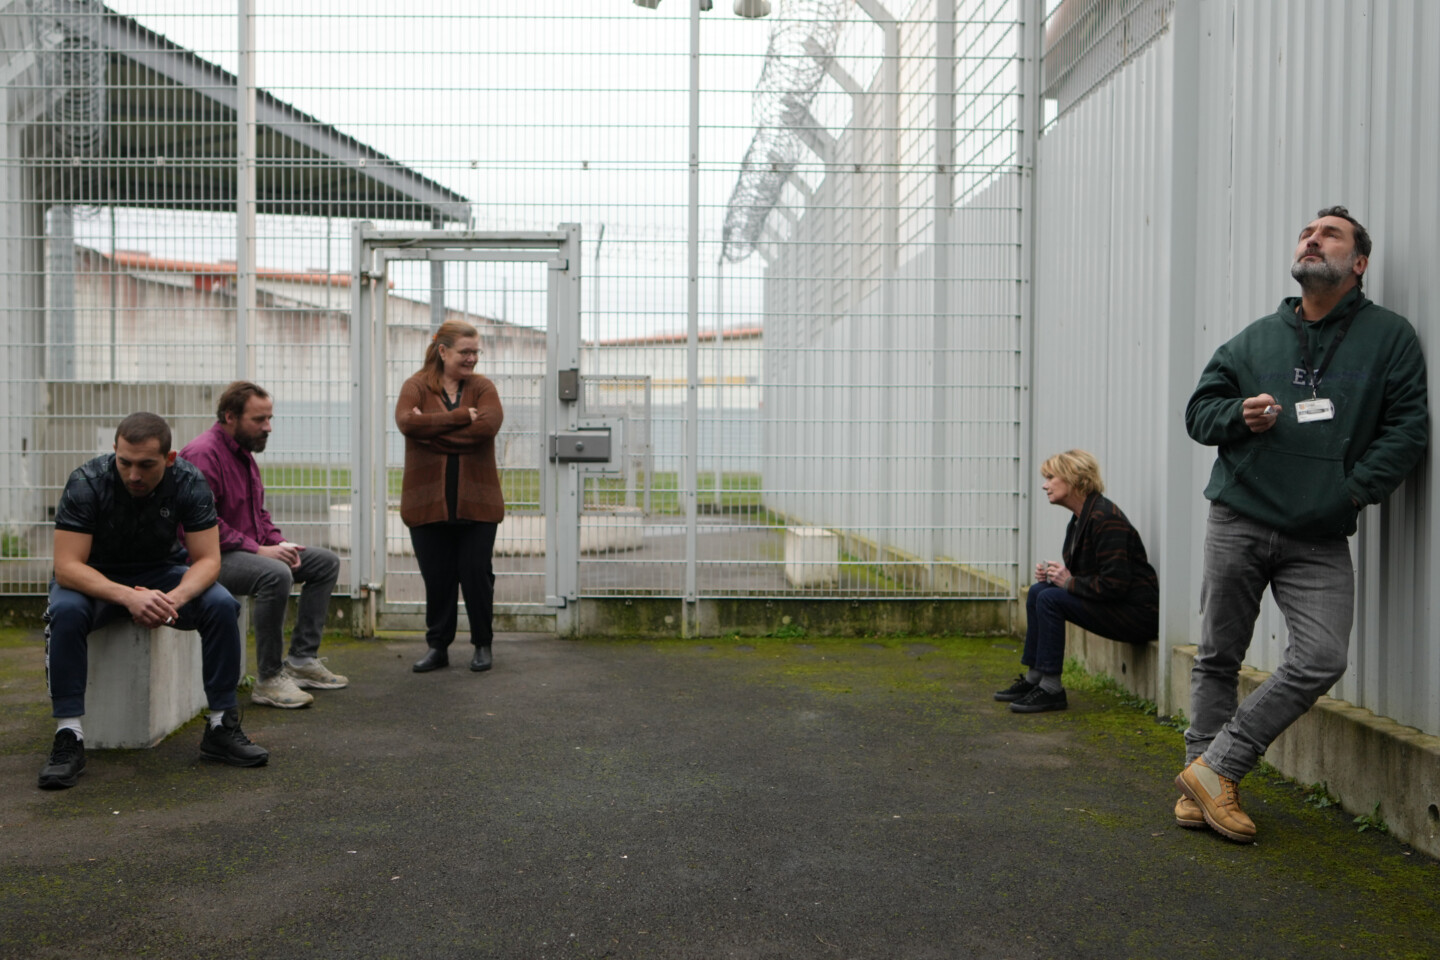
(1322,274)
(254,443)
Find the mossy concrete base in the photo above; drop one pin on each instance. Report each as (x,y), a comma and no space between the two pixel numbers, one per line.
(656,618)
(1135,665)
(1361,758)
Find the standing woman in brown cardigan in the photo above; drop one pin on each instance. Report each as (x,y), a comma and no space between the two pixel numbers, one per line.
(450,498)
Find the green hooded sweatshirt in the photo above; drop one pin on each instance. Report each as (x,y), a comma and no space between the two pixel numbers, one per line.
(1306,479)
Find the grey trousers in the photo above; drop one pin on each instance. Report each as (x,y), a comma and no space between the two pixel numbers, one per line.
(268,582)
(1313,583)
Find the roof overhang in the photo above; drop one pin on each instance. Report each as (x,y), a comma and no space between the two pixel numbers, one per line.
(170,141)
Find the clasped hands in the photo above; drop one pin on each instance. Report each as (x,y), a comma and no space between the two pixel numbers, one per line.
(1048,571)
(153,608)
(286,552)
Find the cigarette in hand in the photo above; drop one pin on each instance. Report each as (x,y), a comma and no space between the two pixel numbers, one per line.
(1268,410)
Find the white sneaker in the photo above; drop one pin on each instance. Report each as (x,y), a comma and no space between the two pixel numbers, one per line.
(279,691)
(314,675)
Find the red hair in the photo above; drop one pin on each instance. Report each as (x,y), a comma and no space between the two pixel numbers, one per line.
(434,371)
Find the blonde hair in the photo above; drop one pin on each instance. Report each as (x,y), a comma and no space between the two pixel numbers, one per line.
(1078,468)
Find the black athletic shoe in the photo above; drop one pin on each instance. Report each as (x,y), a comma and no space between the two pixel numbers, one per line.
(66,763)
(1038,701)
(228,743)
(1015,691)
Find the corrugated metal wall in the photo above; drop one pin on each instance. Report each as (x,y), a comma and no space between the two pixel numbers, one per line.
(1302,104)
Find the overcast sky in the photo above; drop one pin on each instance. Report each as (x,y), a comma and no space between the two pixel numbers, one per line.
(538,111)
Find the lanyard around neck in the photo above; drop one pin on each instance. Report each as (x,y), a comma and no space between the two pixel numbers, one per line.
(1317,374)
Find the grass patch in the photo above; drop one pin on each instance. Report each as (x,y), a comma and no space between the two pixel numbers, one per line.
(738,492)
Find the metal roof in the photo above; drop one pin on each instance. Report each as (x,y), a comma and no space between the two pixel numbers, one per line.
(170,142)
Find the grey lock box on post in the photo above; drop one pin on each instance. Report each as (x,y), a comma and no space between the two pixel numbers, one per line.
(585,446)
(569,385)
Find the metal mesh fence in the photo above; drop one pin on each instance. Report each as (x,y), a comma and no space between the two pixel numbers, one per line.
(830,408)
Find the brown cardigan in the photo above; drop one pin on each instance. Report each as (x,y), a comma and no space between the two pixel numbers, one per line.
(435,433)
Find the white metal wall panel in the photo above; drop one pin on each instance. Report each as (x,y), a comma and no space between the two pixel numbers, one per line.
(1101,294)
(1302,104)
(1398,643)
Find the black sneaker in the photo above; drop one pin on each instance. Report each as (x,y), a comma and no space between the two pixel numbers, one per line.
(1015,691)
(1039,700)
(66,763)
(228,743)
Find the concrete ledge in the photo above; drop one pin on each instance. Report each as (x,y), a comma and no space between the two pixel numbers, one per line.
(1136,666)
(666,618)
(1361,758)
(143,685)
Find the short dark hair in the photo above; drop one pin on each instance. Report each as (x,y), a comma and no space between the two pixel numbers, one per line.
(1362,236)
(139,427)
(236,396)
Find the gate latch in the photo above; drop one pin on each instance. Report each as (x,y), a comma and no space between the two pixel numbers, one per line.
(580,445)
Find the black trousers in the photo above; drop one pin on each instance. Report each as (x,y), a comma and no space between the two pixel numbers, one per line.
(455,558)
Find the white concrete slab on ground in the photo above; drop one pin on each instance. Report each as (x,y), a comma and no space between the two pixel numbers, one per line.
(812,556)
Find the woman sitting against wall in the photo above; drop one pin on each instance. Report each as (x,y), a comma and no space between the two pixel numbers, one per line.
(1104,583)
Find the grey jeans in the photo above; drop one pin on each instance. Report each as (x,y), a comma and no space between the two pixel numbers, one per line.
(1313,583)
(268,582)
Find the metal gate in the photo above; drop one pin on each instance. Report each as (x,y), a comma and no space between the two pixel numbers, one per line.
(532,354)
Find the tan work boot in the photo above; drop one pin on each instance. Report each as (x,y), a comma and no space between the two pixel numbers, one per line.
(1218,799)
(1188,814)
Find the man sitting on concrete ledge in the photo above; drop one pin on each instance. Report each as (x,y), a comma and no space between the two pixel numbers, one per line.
(117,552)
(255,558)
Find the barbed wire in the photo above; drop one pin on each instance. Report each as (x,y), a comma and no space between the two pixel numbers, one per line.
(801,42)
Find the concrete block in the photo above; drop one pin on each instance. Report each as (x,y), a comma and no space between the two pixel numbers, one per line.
(397,535)
(143,684)
(812,556)
(602,530)
(521,535)
(611,530)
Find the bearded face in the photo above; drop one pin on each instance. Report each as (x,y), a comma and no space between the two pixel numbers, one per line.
(251,429)
(1321,270)
(1325,255)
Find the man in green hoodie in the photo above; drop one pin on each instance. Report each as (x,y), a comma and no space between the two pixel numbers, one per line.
(1318,411)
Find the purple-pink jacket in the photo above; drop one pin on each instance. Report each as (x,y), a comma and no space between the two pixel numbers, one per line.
(234,479)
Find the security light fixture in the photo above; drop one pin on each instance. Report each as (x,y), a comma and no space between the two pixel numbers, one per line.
(743,8)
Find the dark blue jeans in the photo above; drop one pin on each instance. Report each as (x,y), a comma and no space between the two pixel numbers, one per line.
(1047,609)
(72,615)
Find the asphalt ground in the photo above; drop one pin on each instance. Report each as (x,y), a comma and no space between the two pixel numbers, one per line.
(778,798)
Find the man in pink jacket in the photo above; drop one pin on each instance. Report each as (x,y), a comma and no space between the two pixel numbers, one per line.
(256,560)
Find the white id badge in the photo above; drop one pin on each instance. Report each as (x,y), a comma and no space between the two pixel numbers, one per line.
(1319,409)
